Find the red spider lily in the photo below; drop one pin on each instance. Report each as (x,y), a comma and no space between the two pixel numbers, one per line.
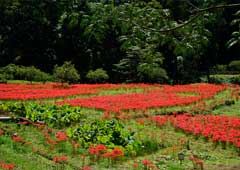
(146,162)
(61,136)
(17,139)
(1,132)
(141,121)
(165,97)
(86,168)
(39,91)
(6,166)
(46,135)
(135,164)
(59,159)
(51,142)
(97,150)
(219,128)
(115,153)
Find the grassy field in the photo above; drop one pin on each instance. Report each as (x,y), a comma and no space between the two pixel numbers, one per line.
(154,146)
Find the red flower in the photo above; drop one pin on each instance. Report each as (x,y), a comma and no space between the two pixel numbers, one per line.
(46,135)
(6,166)
(135,164)
(51,142)
(86,168)
(92,151)
(1,132)
(99,149)
(61,136)
(60,159)
(17,139)
(146,162)
(117,152)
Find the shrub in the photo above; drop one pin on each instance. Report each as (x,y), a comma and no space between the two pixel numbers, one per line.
(152,73)
(97,76)
(219,69)
(16,72)
(107,132)
(3,78)
(234,65)
(66,73)
(9,71)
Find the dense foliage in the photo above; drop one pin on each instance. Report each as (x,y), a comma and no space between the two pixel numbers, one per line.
(16,72)
(132,41)
(52,115)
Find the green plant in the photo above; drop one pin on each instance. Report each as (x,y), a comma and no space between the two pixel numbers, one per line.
(97,76)
(52,115)
(107,132)
(16,72)
(66,73)
(234,65)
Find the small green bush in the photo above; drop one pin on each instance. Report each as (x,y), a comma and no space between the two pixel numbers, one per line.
(97,76)
(152,73)
(234,65)
(66,73)
(107,132)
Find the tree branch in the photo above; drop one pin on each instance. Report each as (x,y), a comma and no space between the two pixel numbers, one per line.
(199,12)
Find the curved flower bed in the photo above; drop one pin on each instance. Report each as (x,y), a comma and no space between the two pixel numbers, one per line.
(165,97)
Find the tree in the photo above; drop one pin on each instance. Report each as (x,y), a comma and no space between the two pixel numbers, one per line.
(66,73)
(235,40)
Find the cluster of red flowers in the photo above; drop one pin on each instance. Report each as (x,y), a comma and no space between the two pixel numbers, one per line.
(6,166)
(219,128)
(26,91)
(164,97)
(53,90)
(60,159)
(61,136)
(97,150)
(114,153)
(102,151)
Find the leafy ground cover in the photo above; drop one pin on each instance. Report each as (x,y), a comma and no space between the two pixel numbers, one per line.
(198,122)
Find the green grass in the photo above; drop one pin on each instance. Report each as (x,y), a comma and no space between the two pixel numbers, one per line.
(233,110)
(166,139)
(164,157)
